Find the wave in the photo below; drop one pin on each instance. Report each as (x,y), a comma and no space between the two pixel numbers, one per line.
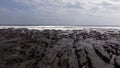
(62,27)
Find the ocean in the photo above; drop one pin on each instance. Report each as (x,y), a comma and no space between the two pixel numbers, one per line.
(64,27)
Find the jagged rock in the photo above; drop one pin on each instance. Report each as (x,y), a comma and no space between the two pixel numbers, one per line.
(2,66)
(101,53)
(94,60)
(117,61)
(23,48)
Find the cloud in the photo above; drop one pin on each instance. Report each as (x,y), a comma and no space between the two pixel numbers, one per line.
(60,10)
(55,8)
(115,0)
(70,4)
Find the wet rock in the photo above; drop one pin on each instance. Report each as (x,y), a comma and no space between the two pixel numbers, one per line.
(103,54)
(117,61)
(94,60)
(2,66)
(23,48)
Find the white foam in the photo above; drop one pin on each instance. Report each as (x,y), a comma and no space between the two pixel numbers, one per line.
(63,27)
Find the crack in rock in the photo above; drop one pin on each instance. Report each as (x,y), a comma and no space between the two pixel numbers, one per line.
(24,48)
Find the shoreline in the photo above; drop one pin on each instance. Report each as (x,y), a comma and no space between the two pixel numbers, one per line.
(64,27)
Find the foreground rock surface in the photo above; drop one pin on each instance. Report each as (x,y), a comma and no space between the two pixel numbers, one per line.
(23,48)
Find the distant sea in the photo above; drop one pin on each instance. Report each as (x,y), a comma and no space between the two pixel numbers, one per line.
(86,27)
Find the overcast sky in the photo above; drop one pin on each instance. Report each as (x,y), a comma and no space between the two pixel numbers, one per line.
(62,12)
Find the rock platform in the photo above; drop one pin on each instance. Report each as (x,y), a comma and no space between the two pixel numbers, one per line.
(24,48)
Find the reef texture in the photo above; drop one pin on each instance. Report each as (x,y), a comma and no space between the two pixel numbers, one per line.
(23,48)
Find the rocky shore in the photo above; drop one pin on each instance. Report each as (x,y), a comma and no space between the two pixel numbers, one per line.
(24,48)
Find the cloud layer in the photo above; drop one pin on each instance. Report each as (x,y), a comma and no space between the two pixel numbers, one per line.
(60,11)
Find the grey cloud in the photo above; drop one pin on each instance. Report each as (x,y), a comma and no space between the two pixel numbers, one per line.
(117,8)
(104,4)
(76,5)
(108,6)
(115,0)
(59,12)
(52,3)
(48,3)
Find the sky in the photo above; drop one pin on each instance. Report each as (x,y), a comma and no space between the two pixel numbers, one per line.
(60,12)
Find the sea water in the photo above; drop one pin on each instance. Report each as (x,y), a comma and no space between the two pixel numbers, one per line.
(63,27)
(101,29)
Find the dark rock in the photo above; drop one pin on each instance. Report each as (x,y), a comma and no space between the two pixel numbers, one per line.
(2,66)
(94,60)
(23,48)
(101,53)
(117,62)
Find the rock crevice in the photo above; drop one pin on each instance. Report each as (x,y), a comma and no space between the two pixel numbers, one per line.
(23,48)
